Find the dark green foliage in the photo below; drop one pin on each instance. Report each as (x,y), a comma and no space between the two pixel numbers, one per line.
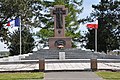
(4,54)
(15,8)
(108,14)
(27,42)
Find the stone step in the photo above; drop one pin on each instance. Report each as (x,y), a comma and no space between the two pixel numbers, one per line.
(54,54)
(69,54)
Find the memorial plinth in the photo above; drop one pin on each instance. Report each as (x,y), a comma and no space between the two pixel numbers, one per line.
(59,40)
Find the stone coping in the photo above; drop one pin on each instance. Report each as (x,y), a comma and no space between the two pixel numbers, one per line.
(62,61)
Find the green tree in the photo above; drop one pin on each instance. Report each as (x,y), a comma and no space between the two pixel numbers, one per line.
(15,8)
(10,9)
(27,42)
(46,21)
(108,16)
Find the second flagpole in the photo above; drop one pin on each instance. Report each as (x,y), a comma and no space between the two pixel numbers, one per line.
(95,40)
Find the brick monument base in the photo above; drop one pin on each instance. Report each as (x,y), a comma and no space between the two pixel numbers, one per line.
(59,42)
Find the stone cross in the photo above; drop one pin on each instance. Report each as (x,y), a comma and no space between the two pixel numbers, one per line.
(59,13)
(59,41)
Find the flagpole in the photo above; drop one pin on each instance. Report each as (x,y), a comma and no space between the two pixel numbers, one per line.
(94,26)
(20,36)
(96,40)
(96,35)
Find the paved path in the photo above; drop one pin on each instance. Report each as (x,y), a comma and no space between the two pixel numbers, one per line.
(67,66)
(71,76)
(80,66)
(58,66)
(51,65)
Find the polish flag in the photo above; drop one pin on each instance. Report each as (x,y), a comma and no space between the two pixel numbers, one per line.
(14,22)
(93,25)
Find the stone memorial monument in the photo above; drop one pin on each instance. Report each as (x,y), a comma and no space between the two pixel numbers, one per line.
(59,40)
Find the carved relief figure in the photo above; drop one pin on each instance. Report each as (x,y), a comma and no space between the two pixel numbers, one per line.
(59,17)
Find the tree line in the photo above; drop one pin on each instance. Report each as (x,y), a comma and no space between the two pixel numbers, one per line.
(36,14)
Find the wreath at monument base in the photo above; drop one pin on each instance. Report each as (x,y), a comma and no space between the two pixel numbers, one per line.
(60,44)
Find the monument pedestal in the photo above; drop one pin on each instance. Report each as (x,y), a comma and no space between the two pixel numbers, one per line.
(59,42)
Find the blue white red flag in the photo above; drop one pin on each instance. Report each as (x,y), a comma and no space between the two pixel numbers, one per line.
(14,22)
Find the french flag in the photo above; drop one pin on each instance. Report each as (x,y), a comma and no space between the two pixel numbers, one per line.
(14,22)
(93,25)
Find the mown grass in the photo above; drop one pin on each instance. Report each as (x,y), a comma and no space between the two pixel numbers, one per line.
(109,75)
(22,76)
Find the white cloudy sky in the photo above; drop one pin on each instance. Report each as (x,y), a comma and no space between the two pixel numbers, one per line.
(87,9)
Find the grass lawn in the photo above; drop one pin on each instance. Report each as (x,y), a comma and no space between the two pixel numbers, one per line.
(109,75)
(22,76)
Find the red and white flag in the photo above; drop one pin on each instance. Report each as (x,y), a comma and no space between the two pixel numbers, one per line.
(93,25)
